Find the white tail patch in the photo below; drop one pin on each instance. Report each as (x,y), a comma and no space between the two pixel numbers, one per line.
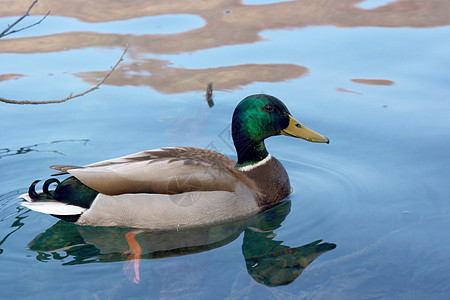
(54,208)
(26,197)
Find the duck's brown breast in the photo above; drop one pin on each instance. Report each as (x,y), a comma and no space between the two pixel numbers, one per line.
(271,180)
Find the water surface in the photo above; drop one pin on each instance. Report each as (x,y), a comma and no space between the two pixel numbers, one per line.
(370,75)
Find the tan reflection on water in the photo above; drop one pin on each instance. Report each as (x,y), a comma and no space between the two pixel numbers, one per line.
(176,80)
(10,76)
(241,24)
(347,91)
(374,81)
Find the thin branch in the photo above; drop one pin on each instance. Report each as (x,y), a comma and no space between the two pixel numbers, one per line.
(7,30)
(71,96)
(26,27)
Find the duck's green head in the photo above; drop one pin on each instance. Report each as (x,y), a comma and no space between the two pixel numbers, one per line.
(260,116)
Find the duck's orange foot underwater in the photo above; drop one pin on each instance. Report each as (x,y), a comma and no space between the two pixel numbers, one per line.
(131,266)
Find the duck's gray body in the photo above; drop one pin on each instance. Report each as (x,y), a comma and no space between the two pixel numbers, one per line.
(172,188)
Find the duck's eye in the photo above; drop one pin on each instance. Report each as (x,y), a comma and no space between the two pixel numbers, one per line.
(268,108)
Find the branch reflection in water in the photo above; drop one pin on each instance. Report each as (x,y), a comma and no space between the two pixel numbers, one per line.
(4,152)
(268,261)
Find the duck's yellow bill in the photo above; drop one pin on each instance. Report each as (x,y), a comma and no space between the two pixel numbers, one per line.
(296,129)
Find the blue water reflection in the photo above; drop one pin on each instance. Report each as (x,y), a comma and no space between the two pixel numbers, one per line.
(165,24)
(371,4)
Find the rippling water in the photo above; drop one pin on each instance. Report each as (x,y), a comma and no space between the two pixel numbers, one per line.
(370,75)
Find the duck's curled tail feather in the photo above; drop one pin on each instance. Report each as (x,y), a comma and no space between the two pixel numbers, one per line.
(67,201)
(46,193)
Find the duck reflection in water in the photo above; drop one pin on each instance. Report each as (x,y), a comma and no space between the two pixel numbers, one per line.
(267,260)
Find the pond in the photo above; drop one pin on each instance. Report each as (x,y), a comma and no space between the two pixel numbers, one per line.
(370,212)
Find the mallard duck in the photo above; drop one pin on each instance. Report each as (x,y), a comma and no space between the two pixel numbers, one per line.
(180,187)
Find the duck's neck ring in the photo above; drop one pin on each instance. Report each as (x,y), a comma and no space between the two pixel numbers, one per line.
(250,167)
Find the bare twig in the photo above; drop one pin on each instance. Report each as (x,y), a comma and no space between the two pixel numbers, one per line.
(7,30)
(71,96)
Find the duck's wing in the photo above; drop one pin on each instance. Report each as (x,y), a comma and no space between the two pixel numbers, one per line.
(162,171)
